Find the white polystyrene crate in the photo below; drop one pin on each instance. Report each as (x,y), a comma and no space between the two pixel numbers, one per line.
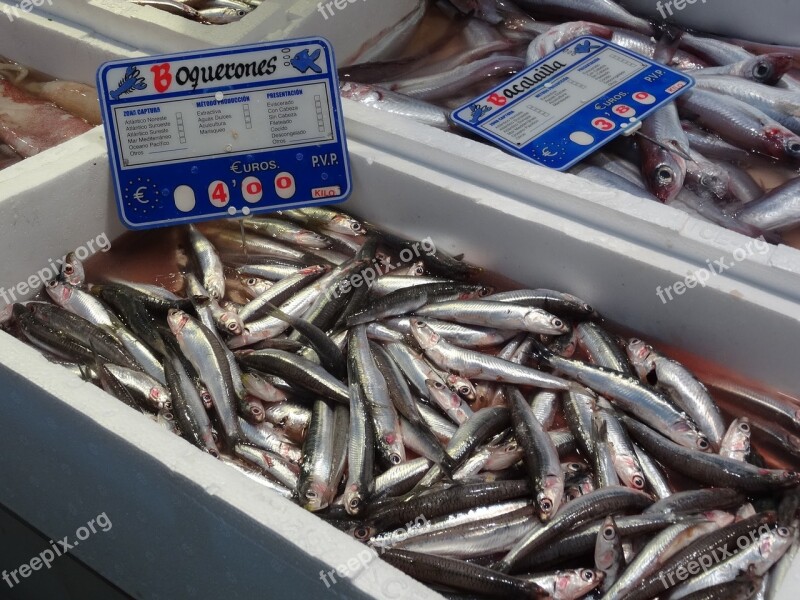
(350,28)
(69,51)
(70,452)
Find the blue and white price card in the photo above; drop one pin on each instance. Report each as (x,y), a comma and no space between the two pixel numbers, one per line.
(576,99)
(227,132)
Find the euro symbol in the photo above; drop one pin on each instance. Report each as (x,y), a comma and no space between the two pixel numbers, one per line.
(139,195)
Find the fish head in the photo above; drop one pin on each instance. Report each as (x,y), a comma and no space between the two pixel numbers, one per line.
(255,409)
(314,270)
(461,386)
(425,335)
(585,307)
(573,469)
(209,443)
(354,499)
(310,239)
(159,396)
(664,173)
(256,286)
(346,225)
(177,320)
(548,500)
(443,395)
(393,448)
(577,583)
(781,142)
(72,271)
(205,396)
(580,487)
(629,471)
(232,323)
(59,292)
(607,545)
(313,496)
(481,292)
(687,435)
(555,325)
(769,68)
(362,532)
(360,92)
(640,355)
(417,269)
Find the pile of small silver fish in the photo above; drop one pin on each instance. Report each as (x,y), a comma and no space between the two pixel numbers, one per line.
(546,455)
(208,12)
(698,154)
(36,115)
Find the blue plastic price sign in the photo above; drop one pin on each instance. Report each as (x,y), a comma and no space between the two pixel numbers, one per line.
(573,101)
(227,132)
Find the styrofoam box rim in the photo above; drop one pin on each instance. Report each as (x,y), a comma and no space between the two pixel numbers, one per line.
(150,29)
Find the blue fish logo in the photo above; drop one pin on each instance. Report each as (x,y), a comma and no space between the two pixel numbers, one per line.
(303,61)
(585,47)
(477,112)
(131,81)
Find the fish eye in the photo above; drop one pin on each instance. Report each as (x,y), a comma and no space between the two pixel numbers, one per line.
(638,482)
(665,175)
(52,283)
(355,226)
(251,281)
(395,459)
(783,532)
(168,416)
(794,147)
(545,505)
(744,427)
(68,269)
(609,533)
(484,292)
(256,411)
(702,443)
(438,385)
(311,494)
(463,390)
(558,323)
(361,533)
(354,502)
(588,575)
(761,70)
(232,326)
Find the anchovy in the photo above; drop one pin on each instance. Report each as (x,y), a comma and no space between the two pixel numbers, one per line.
(605,501)
(709,468)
